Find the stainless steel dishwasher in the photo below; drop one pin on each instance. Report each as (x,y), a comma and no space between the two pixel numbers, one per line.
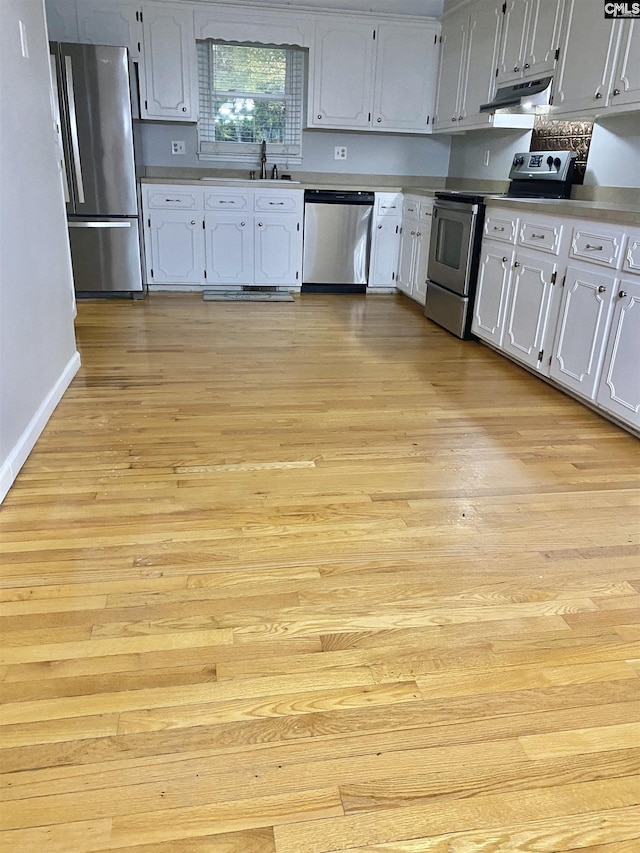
(337,240)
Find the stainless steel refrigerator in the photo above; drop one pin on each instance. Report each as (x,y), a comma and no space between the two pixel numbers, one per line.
(92,91)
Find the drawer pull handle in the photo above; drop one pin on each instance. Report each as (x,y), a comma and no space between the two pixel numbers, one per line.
(496,228)
(517,264)
(176,200)
(594,248)
(225,201)
(538,237)
(602,289)
(276,202)
(623,294)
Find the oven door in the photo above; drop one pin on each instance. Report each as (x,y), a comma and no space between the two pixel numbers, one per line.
(450,251)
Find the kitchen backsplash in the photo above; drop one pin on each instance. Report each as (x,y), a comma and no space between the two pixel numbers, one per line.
(550,135)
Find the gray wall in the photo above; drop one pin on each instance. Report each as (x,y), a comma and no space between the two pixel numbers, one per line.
(37,344)
(468,152)
(614,155)
(367,153)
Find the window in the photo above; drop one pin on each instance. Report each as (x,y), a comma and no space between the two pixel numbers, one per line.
(249,93)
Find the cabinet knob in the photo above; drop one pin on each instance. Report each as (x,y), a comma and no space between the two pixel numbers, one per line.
(517,264)
(598,94)
(193,222)
(602,289)
(453,118)
(418,233)
(526,65)
(378,120)
(622,294)
(616,92)
(516,68)
(184,109)
(242,224)
(259,224)
(413,233)
(379,226)
(319,115)
(460,118)
(505,259)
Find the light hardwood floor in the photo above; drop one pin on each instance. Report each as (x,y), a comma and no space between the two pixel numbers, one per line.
(310,577)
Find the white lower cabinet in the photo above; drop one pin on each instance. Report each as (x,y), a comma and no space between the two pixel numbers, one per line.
(619,389)
(385,242)
(229,248)
(227,236)
(528,311)
(415,234)
(585,310)
(176,251)
(277,250)
(492,293)
(572,320)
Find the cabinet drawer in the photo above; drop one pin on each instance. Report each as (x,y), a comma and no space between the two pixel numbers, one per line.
(542,236)
(389,204)
(278,201)
(597,245)
(501,227)
(410,207)
(425,212)
(173,198)
(631,262)
(222,198)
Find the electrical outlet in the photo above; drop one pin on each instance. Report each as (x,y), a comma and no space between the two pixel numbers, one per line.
(487,155)
(340,152)
(177,147)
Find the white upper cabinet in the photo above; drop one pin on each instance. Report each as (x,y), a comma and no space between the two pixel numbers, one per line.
(625,89)
(116,22)
(470,50)
(583,81)
(369,75)
(342,75)
(169,64)
(530,39)
(405,78)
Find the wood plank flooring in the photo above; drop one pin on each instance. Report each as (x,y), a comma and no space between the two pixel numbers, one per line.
(317,578)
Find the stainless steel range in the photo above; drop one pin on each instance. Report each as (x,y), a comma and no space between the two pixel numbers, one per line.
(456,234)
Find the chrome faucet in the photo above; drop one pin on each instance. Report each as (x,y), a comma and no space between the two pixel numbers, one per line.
(263,160)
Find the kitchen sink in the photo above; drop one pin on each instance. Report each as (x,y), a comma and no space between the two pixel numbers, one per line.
(248,181)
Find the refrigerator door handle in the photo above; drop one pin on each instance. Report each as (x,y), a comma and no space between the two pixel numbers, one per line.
(99,224)
(55,106)
(73,122)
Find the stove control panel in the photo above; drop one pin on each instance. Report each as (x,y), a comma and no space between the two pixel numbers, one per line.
(541,165)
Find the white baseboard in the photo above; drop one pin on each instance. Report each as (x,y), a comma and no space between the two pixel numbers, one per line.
(23,447)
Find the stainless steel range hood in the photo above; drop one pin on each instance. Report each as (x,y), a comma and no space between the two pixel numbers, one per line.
(531,97)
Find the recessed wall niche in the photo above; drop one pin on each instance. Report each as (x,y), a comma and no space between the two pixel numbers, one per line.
(550,135)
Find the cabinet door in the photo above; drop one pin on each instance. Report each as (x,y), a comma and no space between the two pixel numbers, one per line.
(626,80)
(404,281)
(169,63)
(421,261)
(514,25)
(341,83)
(584,318)
(385,244)
(543,37)
(114,22)
(405,78)
(229,248)
(177,247)
(492,292)
(528,310)
(583,78)
(452,68)
(619,391)
(482,47)
(277,250)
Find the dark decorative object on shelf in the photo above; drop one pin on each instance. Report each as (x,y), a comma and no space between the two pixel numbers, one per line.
(550,135)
